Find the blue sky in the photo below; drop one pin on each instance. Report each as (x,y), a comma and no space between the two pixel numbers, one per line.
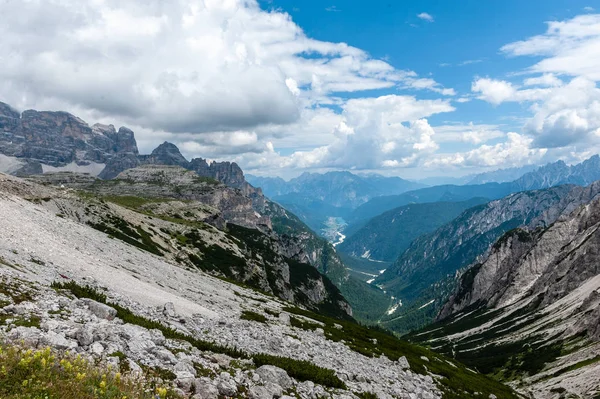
(413,89)
(462,42)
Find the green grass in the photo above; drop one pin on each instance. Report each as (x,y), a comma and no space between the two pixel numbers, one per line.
(253,316)
(17,291)
(305,325)
(136,236)
(577,366)
(366,395)
(271,312)
(133,202)
(301,370)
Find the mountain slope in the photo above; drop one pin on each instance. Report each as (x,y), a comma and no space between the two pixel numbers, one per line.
(531,310)
(423,276)
(198,224)
(148,315)
(386,236)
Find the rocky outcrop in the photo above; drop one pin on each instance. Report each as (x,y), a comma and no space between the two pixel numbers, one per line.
(165,154)
(58,138)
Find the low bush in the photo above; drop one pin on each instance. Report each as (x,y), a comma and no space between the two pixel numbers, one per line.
(301,370)
(253,316)
(25,373)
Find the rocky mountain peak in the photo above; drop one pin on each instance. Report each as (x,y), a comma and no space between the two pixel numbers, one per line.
(8,111)
(167,154)
(57,139)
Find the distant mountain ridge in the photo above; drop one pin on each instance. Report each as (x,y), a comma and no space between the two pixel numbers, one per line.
(493,176)
(339,189)
(550,175)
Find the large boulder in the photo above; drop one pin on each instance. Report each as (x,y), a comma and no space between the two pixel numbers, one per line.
(101,310)
(275,375)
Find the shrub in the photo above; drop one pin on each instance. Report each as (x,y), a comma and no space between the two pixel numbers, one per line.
(44,374)
(305,325)
(253,316)
(301,370)
(271,312)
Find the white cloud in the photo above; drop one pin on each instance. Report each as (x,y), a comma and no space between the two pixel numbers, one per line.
(499,91)
(467,133)
(429,84)
(425,17)
(493,91)
(515,151)
(569,115)
(372,133)
(563,95)
(570,47)
(189,67)
(547,79)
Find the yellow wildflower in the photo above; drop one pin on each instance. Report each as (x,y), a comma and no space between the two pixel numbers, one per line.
(162,392)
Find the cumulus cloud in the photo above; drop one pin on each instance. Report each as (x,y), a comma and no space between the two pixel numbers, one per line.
(493,91)
(181,67)
(515,151)
(547,79)
(467,133)
(562,94)
(372,133)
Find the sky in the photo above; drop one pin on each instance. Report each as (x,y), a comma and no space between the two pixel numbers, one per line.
(404,88)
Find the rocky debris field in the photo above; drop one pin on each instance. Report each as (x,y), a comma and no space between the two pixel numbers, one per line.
(38,247)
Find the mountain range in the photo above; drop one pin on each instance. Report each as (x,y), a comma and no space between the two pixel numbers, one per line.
(550,175)
(339,189)
(423,275)
(386,236)
(197,264)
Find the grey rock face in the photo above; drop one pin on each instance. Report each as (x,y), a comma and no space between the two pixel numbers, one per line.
(59,138)
(166,154)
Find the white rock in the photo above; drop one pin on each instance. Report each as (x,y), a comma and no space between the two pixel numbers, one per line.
(275,375)
(101,310)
